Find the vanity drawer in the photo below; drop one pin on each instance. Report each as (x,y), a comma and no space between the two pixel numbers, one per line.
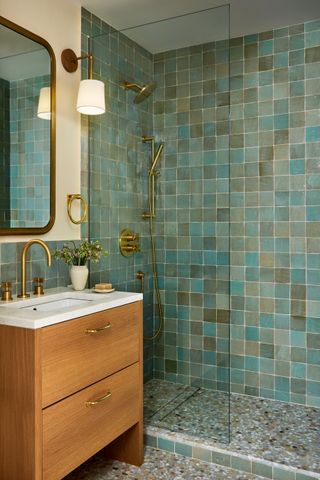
(73,430)
(79,352)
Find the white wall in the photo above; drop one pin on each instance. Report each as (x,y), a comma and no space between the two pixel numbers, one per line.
(58,22)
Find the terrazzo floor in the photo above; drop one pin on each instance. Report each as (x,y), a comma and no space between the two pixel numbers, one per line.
(275,431)
(158,465)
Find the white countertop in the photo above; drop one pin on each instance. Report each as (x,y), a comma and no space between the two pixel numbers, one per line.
(22,312)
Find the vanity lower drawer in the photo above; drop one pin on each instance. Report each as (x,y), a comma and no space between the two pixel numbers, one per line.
(73,430)
(79,352)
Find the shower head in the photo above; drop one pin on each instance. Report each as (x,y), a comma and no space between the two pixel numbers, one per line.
(143,91)
(156,159)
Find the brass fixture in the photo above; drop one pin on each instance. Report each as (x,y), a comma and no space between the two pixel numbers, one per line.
(150,216)
(140,276)
(38,285)
(152,174)
(129,249)
(91,96)
(70,61)
(99,329)
(144,91)
(156,159)
(77,196)
(130,237)
(92,403)
(23,293)
(6,291)
(128,242)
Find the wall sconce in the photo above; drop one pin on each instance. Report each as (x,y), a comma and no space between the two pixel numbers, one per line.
(44,104)
(91,100)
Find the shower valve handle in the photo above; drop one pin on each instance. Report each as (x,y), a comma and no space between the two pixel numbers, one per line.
(131,238)
(131,248)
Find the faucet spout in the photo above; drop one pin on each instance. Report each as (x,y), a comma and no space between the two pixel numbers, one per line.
(23,293)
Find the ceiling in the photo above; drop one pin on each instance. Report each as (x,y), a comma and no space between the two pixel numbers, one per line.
(246,17)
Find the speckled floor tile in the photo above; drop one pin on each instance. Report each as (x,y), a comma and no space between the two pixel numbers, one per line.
(160,399)
(202,415)
(275,431)
(158,465)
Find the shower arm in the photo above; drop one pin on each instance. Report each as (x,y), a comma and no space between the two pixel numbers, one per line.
(131,86)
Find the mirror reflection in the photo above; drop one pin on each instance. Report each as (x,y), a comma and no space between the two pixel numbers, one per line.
(25,81)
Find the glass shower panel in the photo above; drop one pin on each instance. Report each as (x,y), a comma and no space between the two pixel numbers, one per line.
(187,364)
(118,169)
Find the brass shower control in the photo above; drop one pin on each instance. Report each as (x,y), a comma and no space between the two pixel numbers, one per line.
(6,291)
(129,242)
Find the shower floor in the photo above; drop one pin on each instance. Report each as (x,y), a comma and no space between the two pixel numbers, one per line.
(272,430)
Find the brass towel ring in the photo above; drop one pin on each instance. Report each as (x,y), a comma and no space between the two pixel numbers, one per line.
(77,196)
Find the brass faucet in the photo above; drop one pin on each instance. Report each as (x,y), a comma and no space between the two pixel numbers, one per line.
(23,293)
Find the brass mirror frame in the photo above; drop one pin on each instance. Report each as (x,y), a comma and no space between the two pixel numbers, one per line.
(40,230)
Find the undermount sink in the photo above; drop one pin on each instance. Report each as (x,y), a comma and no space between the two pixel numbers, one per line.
(53,303)
(57,304)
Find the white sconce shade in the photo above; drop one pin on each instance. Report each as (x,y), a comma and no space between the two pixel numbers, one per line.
(91,100)
(44,105)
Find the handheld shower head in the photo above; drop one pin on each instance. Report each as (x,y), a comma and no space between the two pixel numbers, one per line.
(156,159)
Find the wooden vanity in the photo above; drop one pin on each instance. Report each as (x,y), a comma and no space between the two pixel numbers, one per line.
(69,390)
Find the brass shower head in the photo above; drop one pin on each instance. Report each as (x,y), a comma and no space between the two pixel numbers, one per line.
(142,91)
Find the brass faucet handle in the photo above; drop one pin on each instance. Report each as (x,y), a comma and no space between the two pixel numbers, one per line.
(38,285)
(6,291)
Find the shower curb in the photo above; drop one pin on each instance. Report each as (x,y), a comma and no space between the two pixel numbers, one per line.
(183,445)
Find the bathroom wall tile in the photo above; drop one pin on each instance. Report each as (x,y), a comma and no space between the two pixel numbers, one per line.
(274,146)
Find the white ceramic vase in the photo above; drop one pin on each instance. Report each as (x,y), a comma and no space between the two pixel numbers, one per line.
(79,276)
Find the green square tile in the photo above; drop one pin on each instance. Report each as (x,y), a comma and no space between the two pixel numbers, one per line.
(241,464)
(262,469)
(164,444)
(282,474)
(183,449)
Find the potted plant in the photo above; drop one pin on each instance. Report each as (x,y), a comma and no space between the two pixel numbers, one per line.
(76,256)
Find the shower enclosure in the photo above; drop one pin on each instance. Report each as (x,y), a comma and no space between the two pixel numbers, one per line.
(235,227)
(176,95)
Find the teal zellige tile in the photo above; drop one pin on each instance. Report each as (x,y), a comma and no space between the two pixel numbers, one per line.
(150,441)
(242,464)
(166,445)
(262,469)
(283,474)
(201,454)
(304,476)
(183,449)
(221,458)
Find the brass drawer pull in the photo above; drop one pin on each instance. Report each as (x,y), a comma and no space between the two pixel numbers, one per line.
(100,329)
(92,403)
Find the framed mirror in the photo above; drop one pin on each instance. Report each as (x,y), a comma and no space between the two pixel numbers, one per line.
(27,131)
